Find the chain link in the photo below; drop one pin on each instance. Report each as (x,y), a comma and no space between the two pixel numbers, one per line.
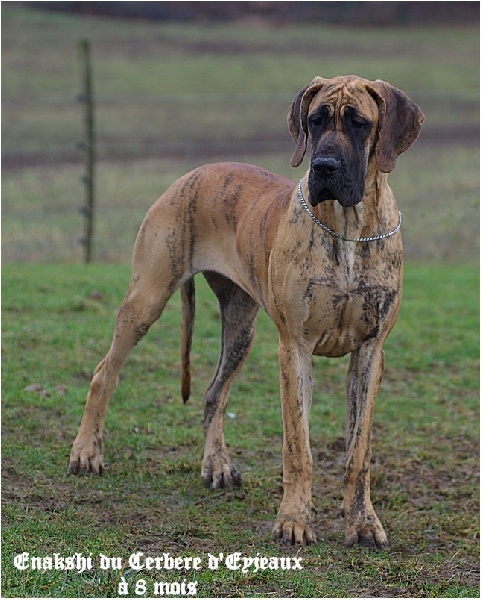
(341,237)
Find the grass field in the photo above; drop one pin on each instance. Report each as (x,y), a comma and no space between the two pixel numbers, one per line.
(425,463)
(174,96)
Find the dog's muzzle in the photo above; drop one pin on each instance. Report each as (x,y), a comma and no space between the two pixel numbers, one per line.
(328,181)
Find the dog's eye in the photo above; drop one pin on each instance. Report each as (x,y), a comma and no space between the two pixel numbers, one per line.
(316,121)
(358,123)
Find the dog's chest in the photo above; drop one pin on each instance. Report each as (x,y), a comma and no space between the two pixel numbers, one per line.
(339,319)
(354,298)
(337,301)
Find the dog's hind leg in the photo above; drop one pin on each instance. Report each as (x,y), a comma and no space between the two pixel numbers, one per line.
(144,302)
(238,313)
(153,282)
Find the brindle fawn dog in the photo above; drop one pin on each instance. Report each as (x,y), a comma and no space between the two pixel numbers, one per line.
(323,258)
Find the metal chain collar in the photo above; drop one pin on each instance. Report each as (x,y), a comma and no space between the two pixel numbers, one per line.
(339,236)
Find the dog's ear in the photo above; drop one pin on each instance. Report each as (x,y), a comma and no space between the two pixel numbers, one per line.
(297,118)
(400,122)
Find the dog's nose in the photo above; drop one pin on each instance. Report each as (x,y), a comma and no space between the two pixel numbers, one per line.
(325,165)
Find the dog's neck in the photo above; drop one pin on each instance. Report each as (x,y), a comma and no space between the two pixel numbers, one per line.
(370,217)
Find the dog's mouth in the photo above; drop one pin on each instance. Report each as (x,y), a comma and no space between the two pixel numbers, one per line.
(324,194)
(322,188)
(321,191)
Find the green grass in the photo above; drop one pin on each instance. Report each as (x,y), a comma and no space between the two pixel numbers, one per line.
(425,462)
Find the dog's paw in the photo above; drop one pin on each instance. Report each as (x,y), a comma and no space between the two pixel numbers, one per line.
(86,458)
(292,532)
(218,472)
(365,531)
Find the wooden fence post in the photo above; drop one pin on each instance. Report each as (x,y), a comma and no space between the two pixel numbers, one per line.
(86,98)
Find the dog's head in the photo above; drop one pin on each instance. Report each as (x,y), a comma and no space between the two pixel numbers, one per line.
(348,122)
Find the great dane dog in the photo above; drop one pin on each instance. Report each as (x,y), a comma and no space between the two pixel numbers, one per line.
(322,257)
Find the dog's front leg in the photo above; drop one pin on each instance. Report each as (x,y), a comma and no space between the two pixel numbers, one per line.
(293,523)
(364,376)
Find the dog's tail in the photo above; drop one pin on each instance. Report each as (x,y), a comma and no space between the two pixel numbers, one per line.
(188,300)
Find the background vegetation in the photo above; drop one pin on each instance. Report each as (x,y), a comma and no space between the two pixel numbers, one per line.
(172,96)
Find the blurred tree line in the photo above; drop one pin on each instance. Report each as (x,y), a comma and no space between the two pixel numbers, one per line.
(354,13)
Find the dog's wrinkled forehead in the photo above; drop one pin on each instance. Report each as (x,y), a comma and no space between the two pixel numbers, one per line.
(340,92)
